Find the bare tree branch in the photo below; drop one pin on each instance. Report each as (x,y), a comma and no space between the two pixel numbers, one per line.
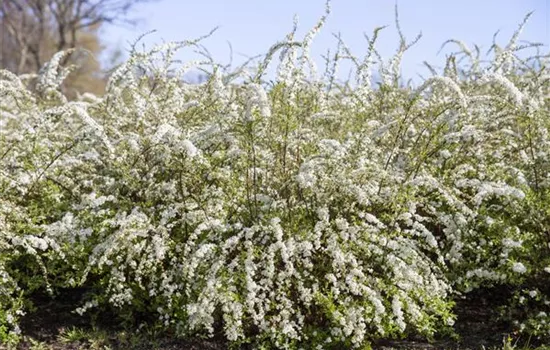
(33,30)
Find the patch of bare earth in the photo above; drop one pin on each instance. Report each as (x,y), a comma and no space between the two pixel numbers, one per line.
(476,325)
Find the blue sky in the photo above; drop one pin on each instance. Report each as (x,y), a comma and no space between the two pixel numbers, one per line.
(253,26)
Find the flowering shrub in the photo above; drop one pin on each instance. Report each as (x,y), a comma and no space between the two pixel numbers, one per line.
(304,212)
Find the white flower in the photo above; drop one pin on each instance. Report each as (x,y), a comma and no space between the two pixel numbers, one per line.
(306,178)
(510,243)
(165,130)
(445,154)
(190,148)
(519,268)
(514,92)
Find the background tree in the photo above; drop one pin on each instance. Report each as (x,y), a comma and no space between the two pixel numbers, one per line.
(33,30)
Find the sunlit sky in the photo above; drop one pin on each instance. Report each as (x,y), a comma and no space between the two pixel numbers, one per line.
(253,26)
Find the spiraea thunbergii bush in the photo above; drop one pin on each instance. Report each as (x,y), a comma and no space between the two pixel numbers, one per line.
(305,212)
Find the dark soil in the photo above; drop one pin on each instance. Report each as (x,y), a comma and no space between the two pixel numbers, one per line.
(477,327)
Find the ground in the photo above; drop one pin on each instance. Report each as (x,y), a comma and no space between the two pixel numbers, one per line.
(53,326)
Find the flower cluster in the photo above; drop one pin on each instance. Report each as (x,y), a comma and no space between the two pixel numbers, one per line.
(301,213)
